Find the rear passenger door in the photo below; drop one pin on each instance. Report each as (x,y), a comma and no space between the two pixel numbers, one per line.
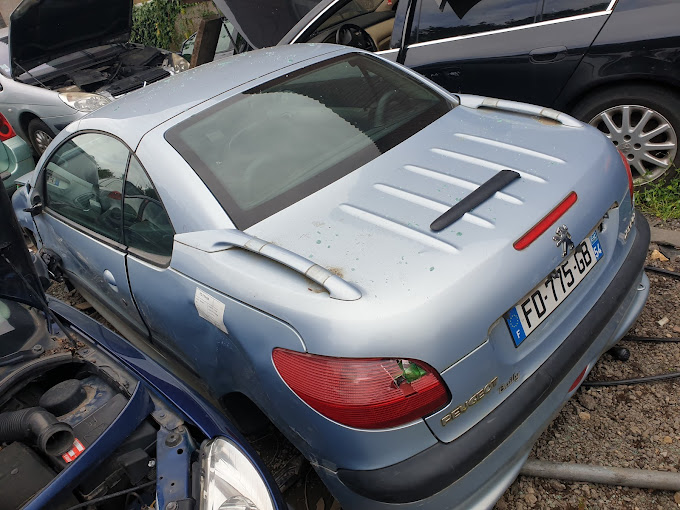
(83,219)
(523,50)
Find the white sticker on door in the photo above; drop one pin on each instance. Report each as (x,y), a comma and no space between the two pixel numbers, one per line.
(210,309)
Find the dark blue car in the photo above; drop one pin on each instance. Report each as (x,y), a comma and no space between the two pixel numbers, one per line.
(88,421)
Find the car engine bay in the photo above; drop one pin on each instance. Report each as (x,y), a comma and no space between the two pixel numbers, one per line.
(117,70)
(58,401)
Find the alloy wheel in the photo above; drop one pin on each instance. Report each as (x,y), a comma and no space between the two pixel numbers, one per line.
(42,140)
(645,137)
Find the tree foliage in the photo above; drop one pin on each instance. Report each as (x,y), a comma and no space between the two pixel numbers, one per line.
(153,23)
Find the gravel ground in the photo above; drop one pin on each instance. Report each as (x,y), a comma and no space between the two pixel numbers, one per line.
(624,426)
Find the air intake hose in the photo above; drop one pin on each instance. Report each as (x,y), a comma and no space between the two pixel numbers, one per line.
(52,436)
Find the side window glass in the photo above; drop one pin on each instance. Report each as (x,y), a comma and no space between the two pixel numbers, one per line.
(451,18)
(84,182)
(555,9)
(147,226)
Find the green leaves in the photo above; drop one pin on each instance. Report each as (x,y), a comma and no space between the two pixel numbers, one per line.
(153,23)
(661,199)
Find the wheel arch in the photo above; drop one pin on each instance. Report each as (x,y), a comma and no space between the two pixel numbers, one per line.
(568,104)
(25,119)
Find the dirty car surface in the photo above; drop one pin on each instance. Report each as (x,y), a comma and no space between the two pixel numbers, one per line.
(401,279)
(88,420)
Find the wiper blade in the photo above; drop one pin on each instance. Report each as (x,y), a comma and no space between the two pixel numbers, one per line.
(474,199)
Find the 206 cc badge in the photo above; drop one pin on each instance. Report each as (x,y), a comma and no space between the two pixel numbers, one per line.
(563,237)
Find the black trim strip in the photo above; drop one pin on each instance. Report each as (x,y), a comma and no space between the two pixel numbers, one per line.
(475,199)
(434,469)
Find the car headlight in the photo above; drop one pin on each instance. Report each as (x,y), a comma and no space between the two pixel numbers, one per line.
(229,480)
(84,101)
(179,63)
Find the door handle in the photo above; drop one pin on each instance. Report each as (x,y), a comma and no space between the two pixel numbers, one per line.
(550,54)
(108,277)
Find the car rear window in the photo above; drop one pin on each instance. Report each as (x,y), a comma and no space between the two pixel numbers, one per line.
(277,143)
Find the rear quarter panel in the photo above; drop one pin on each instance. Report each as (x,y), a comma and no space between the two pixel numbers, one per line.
(640,41)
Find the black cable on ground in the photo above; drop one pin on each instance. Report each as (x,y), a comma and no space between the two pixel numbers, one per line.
(666,272)
(637,380)
(651,339)
(113,495)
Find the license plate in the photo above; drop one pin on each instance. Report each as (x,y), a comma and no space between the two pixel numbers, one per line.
(538,304)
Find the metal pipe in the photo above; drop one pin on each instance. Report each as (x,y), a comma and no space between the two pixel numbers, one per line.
(642,478)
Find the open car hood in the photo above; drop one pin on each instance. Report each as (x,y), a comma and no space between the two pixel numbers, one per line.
(42,30)
(16,266)
(265,22)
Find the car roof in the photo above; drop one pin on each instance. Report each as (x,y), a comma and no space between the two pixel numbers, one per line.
(132,116)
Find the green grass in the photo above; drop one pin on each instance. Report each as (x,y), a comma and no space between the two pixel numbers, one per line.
(661,199)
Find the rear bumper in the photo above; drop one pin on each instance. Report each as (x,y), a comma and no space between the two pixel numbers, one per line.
(473,470)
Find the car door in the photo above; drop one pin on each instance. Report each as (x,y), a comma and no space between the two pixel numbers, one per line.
(81,185)
(149,239)
(523,50)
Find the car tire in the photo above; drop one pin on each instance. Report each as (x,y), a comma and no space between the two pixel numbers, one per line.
(40,135)
(310,493)
(648,108)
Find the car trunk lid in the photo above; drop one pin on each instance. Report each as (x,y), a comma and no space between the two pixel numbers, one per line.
(373,226)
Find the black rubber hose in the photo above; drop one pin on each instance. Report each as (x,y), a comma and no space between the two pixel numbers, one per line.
(52,436)
(637,380)
(111,496)
(650,339)
(666,272)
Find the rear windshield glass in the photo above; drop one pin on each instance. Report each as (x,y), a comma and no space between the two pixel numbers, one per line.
(275,144)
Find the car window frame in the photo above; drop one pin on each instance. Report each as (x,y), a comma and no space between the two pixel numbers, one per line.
(538,9)
(72,223)
(538,22)
(607,9)
(162,261)
(41,190)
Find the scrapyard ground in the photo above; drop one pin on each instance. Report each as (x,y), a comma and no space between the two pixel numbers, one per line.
(623,426)
(635,426)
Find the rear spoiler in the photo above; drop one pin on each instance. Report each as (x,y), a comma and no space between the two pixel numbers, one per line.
(211,241)
(479,102)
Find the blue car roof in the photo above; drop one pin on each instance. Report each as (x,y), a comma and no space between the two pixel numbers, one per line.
(132,116)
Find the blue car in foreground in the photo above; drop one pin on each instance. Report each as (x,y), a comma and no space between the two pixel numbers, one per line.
(87,420)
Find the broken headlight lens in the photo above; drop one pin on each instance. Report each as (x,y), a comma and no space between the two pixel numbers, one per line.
(229,480)
(84,101)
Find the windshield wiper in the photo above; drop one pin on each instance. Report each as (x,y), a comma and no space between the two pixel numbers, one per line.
(474,199)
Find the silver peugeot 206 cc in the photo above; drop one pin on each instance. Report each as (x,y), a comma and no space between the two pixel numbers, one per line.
(408,283)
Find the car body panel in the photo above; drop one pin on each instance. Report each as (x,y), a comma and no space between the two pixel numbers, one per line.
(615,57)
(489,59)
(20,102)
(437,297)
(98,266)
(16,159)
(150,391)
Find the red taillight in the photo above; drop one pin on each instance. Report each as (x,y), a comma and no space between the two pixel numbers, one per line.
(6,131)
(115,195)
(368,393)
(546,222)
(630,174)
